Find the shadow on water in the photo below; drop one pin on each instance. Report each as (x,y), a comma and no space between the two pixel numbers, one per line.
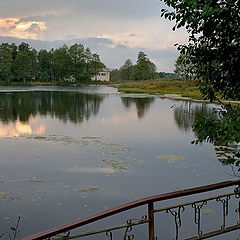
(67,106)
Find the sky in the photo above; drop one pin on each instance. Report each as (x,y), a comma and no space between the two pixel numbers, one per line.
(115,29)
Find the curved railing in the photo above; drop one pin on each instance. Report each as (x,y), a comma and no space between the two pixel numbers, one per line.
(149,201)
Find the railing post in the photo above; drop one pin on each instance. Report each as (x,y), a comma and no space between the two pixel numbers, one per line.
(151,221)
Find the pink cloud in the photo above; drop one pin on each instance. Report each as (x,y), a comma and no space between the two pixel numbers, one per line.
(12,27)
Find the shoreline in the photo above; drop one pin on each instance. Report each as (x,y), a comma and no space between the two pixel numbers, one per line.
(128,91)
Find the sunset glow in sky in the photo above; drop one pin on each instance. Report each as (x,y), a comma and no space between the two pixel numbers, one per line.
(13,27)
(115,29)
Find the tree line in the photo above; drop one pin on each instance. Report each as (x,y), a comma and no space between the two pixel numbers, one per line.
(23,63)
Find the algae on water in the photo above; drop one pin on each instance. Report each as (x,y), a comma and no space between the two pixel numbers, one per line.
(91,189)
(171,158)
(115,164)
(4,196)
(207,211)
(111,151)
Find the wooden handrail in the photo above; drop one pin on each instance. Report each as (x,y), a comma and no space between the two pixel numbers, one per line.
(130,205)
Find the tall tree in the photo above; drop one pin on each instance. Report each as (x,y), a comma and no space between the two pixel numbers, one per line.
(92,64)
(25,63)
(5,62)
(45,65)
(76,53)
(61,64)
(144,69)
(96,64)
(22,66)
(126,70)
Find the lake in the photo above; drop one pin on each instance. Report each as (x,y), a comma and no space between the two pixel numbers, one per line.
(69,152)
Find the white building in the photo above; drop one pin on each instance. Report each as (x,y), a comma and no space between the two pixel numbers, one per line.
(103,75)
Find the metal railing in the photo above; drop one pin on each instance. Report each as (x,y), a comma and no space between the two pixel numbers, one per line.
(176,211)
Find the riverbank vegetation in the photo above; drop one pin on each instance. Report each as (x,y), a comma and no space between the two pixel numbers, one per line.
(162,86)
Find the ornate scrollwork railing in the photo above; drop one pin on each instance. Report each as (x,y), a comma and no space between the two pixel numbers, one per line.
(176,211)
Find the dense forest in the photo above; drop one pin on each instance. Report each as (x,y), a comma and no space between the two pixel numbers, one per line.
(24,64)
(75,63)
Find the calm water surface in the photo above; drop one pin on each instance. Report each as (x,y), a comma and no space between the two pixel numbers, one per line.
(66,153)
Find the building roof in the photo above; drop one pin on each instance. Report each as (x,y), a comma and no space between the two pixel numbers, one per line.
(106,70)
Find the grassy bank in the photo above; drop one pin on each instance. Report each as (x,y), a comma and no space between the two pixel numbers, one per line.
(39,84)
(62,83)
(162,86)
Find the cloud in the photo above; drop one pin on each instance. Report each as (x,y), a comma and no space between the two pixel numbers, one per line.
(34,28)
(115,29)
(128,22)
(21,29)
(123,9)
(24,8)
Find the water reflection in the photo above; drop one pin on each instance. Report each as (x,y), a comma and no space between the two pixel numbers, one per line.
(103,162)
(218,126)
(142,104)
(222,129)
(18,128)
(186,114)
(67,106)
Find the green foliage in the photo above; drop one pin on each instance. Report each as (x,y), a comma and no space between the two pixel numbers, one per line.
(214,43)
(126,70)
(61,64)
(94,65)
(24,64)
(115,75)
(76,53)
(5,62)
(45,65)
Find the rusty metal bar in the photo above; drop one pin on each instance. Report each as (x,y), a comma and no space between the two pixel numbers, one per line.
(192,202)
(151,221)
(215,233)
(130,205)
(102,230)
